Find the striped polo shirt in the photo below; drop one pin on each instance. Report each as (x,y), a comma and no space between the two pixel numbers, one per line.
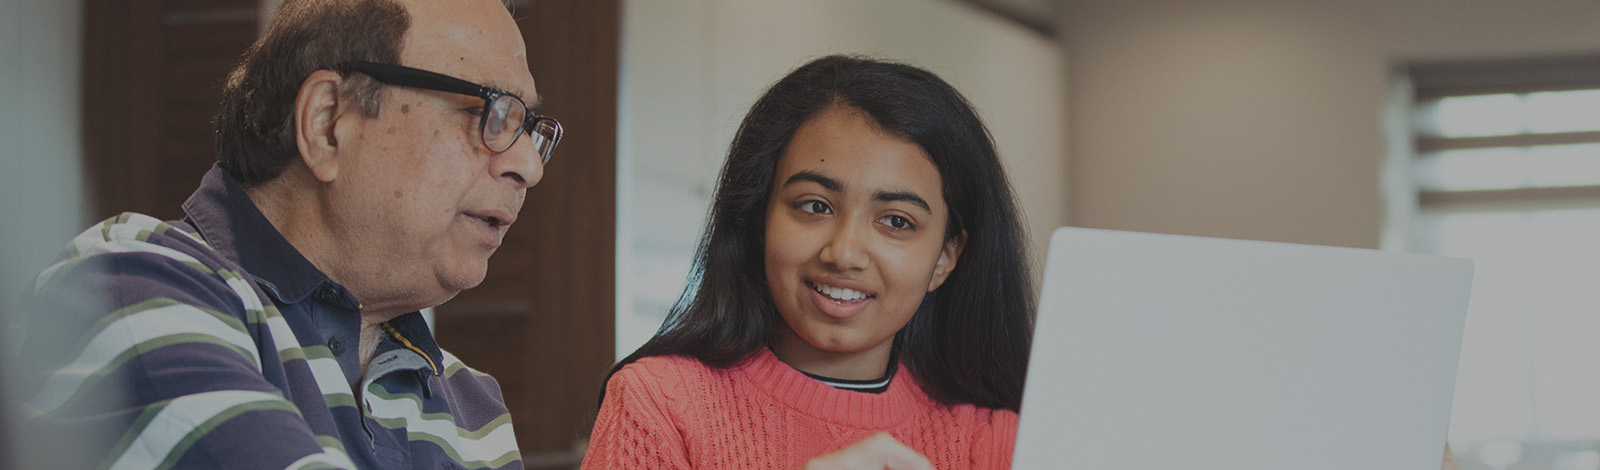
(212,343)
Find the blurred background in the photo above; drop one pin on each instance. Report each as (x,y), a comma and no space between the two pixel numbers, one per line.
(1463,127)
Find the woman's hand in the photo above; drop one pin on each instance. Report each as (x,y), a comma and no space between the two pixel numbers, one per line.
(878,452)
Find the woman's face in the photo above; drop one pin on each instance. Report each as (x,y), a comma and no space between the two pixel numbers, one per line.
(854,239)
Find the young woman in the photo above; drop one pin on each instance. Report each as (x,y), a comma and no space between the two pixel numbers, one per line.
(862,273)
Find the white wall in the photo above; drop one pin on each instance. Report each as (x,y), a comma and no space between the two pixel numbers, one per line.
(1274,119)
(691,69)
(1264,119)
(41,190)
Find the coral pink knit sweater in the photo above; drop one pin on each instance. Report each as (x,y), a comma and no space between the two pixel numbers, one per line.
(675,412)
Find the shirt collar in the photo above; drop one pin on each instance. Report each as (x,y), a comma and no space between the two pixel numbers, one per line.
(232,224)
(411,332)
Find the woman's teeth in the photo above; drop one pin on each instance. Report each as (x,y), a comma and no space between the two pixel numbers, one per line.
(839,293)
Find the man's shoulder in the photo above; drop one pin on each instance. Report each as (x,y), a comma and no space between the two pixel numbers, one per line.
(126,295)
(132,234)
(129,228)
(131,260)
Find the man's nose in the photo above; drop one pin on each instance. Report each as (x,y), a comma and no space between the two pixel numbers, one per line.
(521,164)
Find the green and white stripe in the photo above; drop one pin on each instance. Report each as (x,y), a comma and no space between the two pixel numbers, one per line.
(452,365)
(330,378)
(492,445)
(330,458)
(167,429)
(134,330)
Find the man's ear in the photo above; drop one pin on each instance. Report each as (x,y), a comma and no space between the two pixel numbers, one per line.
(317,109)
(947,260)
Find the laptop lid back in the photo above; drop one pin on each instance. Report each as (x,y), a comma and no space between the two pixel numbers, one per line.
(1165,352)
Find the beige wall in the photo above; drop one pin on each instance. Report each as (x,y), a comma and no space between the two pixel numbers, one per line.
(691,69)
(1264,119)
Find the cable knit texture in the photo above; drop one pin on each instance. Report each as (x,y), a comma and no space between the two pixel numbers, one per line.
(674,412)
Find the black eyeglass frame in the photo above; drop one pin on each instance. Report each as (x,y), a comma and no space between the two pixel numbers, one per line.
(400,75)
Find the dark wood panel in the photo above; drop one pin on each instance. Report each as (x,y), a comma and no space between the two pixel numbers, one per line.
(544,319)
(121,111)
(208,4)
(151,89)
(574,48)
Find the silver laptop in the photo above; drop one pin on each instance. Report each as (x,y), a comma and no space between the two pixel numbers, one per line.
(1166,352)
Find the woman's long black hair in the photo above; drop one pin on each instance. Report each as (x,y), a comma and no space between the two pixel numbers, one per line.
(969,340)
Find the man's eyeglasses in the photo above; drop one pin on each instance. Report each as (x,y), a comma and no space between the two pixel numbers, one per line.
(505,116)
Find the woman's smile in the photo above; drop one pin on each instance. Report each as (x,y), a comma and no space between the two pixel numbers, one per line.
(855,238)
(839,302)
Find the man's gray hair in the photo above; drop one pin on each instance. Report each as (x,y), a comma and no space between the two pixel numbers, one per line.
(255,127)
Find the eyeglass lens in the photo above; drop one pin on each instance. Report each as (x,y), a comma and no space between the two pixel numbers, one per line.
(504,124)
(546,133)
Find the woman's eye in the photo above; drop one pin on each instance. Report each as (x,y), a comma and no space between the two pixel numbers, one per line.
(815,207)
(898,222)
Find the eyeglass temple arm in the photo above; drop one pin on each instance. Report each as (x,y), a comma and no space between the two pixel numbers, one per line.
(407,76)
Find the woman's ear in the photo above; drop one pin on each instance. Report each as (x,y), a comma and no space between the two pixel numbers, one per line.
(317,109)
(947,260)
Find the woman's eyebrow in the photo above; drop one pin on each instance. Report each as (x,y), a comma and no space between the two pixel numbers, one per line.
(814,177)
(838,186)
(905,196)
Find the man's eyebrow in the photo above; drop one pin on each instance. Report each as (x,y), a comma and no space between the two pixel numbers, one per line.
(814,177)
(538,100)
(902,196)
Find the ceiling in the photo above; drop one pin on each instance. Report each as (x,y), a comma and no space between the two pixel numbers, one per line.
(1038,15)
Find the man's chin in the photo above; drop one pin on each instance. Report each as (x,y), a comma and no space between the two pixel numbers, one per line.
(449,286)
(455,286)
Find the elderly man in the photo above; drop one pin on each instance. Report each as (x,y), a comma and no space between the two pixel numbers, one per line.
(373,154)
